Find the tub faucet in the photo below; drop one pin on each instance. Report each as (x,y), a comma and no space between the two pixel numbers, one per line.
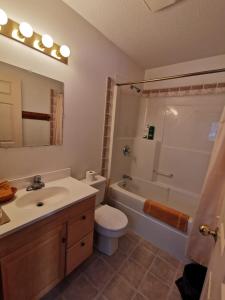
(127,177)
(37,184)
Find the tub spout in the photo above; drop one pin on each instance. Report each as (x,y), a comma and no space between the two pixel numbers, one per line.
(127,177)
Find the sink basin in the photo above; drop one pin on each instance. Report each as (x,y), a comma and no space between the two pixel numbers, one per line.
(46,196)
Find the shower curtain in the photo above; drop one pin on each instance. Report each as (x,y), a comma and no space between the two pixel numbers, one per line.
(213,193)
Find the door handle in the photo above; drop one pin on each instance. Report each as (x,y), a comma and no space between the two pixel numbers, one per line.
(206,231)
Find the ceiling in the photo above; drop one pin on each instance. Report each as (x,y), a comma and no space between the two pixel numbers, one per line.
(190,29)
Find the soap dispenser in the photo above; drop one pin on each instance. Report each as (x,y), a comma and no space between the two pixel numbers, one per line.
(150,132)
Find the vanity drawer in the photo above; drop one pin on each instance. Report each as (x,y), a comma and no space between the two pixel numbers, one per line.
(79,226)
(81,207)
(79,252)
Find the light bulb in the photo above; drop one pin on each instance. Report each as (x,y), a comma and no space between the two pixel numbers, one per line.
(47,41)
(26,30)
(64,51)
(3,17)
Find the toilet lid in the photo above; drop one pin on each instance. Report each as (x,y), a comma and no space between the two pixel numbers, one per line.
(110,218)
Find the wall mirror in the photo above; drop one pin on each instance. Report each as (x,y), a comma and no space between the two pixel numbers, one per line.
(31,108)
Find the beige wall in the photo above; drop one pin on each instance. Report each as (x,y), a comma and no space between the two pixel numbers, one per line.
(93,59)
(188,67)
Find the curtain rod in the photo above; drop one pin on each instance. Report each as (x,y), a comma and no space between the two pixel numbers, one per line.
(174,77)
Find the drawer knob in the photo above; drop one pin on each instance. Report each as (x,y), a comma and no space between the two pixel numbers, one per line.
(83,217)
(82,244)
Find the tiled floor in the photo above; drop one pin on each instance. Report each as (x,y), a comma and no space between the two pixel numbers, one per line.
(137,271)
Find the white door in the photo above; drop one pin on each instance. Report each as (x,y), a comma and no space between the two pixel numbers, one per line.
(214,287)
(10,111)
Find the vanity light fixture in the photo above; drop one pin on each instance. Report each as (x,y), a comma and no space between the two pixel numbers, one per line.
(55,53)
(36,45)
(24,34)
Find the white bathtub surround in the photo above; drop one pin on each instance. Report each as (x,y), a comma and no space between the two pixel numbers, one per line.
(183,142)
(131,200)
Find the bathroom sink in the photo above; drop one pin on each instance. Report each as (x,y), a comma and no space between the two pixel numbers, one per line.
(42,197)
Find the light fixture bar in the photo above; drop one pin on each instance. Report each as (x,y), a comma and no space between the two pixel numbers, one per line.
(9,30)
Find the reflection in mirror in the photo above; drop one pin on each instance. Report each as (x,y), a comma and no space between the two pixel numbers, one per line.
(31,108)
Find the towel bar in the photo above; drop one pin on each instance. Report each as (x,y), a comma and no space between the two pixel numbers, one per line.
(163,174)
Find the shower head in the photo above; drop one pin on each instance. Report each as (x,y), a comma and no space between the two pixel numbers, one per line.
(138,90)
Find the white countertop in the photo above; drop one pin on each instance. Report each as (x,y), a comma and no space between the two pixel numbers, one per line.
(22,216)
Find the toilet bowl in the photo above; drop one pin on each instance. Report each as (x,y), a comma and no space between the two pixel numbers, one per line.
(110,225)
(110,222)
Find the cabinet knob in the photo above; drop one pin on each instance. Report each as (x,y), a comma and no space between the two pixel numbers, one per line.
(82,244)
(83,217)
(63,240)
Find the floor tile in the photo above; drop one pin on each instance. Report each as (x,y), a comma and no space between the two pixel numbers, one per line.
(170,259)
(175,289)
(153,288)
(80,289)
(180,271)
(53,295)
(132,272)
(126,244)
(133,236)
(98,272)
(116,260)
(163,270)
(118,288)
(143,256)
(149,246)
(174,296)
(101,297)
(139,297)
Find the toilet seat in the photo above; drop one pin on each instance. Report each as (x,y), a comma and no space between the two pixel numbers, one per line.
(110,221)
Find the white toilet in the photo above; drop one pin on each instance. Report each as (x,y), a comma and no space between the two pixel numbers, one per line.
(110,222)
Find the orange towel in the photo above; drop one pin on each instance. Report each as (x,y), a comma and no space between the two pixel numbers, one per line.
(6,191)
(166,214)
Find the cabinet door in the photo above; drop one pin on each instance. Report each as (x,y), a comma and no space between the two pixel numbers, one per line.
(31,271)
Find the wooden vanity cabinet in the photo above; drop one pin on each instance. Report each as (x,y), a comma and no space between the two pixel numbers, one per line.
(36,258)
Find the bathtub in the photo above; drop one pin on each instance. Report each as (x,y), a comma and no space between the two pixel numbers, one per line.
(129,197)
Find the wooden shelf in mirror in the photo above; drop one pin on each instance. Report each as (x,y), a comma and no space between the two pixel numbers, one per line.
(35,116)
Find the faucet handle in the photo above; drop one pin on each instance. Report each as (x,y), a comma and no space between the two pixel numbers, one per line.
(37,179)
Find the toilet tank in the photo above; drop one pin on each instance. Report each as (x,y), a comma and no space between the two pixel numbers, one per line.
(99,184)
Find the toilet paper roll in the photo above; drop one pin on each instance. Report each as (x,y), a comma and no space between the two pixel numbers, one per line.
(90,176)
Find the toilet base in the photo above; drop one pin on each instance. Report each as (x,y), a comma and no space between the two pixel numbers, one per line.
(106,245)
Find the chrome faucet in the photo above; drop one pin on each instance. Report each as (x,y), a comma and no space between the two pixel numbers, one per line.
(127,177)
(37,184)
